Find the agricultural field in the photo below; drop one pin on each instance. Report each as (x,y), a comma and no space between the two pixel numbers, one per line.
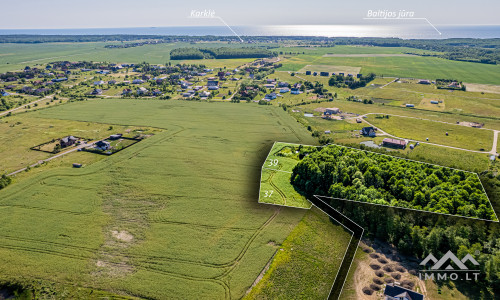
(125,227)
(317,243)
(410,67)
(15,58)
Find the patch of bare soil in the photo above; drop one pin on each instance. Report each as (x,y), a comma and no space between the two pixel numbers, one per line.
(388,266)
(122,235)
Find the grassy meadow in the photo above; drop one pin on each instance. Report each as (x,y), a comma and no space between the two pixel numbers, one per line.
(178,210)
(306,264)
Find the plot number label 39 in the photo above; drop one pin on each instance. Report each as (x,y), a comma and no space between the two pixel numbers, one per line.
(273,162)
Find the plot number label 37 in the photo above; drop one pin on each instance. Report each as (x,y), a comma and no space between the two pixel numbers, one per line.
(268,194)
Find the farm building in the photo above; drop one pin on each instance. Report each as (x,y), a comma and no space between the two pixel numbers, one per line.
(424,81)
(68,141)
(137,81)
(308,72)
(395,292)
(332,110)
(434,102)
(368,131)
(295,91)
(393,143)
(284,90)
(115,136)
(324,74)
(410,105)
(283,84)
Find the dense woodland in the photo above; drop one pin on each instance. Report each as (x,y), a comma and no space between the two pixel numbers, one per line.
(414,233)
(220,53)
(352,174)
(418,234)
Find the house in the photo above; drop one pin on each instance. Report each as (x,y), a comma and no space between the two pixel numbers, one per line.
(41,91)
(100,82)
(141,91)
(368,131)
(324,74)
(283,84)
(4,93)
(67,141)
(434,102)
(395,292)
(204,94)
(59,79)
(270,96)
(212,83)
(332,110)
(115,136)
(269,86)
(137,81)
(103,145)
(284,90)
(96,92)
(294,91)
(126,91)
(112,82)
(358,120)
(308,72)
(157,92)
(424,81)
(393,143)
(270,81)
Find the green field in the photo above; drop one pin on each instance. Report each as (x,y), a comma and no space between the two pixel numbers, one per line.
(307,262)
(412,67)
(177,211)
(17,56)
(458,136)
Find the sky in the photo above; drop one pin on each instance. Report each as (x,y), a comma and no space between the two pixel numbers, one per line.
(47,14)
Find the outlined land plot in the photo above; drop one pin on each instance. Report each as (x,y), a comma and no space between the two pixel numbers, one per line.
(363,176)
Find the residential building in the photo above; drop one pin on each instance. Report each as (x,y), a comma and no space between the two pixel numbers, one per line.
(67,141)
(396,292)
(368,131)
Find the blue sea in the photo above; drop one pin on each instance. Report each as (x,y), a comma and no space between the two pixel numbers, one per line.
(393,29)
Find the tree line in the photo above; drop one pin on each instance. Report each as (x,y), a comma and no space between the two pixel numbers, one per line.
(220,53)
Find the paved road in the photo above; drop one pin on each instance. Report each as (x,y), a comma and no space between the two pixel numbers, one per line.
(55,156)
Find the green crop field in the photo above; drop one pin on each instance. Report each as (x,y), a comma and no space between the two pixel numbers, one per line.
(315,244)
(177,211)
(412,67)
(17,56)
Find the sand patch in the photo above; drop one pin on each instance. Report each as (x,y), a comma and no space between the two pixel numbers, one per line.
(122,235)
(485,88)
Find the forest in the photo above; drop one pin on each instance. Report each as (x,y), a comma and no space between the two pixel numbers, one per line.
(339,81)
(220,53)
(419,233)
(352,174)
